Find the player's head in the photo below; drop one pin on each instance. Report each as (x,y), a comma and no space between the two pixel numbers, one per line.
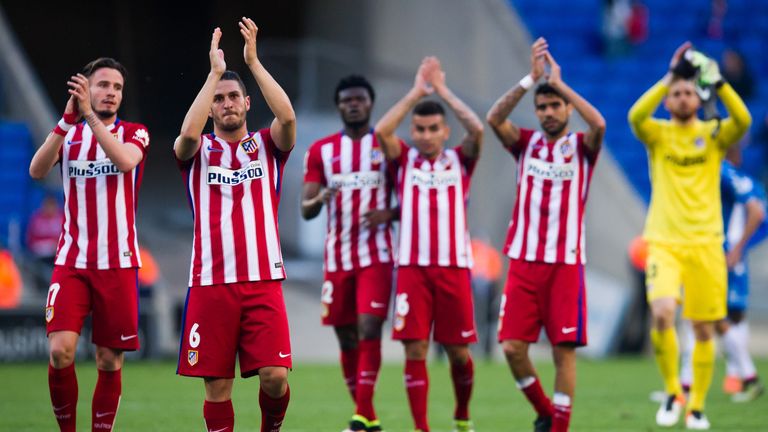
(354,98)
(429,131)
(552,109)
(682,101)
(106,77)
(230,102)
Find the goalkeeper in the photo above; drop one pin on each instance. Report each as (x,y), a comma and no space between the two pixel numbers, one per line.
(684,226)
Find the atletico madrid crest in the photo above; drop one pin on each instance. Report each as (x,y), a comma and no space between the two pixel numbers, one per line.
(249,145)
(48,314)
(192,357)
(399,322)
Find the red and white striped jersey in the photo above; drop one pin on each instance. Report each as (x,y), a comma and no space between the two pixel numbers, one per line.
(99,230)
(552,186)
(234,192)
(358,170)
(433,200)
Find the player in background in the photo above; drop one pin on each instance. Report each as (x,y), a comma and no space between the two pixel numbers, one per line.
(684,226)
(744,216)
(545,243)
(435,256)
(235,303)
(102,162)
(347,172)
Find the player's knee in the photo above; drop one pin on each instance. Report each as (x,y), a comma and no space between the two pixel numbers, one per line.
(703,330)
(62,354)
(274,381)
(108,359)
(347,336)
(663,316)
(514,350)
(416,349)
(457,354)
(369,327)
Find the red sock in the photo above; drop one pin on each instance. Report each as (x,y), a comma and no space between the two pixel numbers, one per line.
(463,377)
(537,397)
(349,369)
(106,399)
(368,373)
(417,386)
(62,384)
(562,417)
(273,410)
(219,416)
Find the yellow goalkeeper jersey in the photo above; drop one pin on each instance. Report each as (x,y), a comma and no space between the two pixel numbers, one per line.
(685,167)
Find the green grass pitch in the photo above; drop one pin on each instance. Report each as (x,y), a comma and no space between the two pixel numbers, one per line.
(612,395)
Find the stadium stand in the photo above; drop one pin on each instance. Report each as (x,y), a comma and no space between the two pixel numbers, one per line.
(614,83)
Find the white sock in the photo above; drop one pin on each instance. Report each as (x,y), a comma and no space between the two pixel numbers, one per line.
(686,350)
(746,365)
(731,350)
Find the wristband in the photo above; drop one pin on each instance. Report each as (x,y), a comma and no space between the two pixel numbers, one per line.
(63,126)
(527,82)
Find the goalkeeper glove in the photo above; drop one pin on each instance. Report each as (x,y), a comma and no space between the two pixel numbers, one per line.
(710,74)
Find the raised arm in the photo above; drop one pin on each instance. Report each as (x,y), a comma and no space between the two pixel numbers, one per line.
(595,121)
(640,115)
(497,117)
(387,125)
(473,140)
(739,119)
(188,141)
(124,157)
(47,154)
(283,128)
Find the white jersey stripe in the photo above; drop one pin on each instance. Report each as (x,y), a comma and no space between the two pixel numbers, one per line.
(346,205)
(363,251)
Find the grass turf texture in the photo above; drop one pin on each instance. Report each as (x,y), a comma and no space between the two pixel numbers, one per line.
(612,395)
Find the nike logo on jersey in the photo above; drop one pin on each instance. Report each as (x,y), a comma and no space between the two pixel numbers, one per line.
(125,338)
(567,330)
(377,305)
(467,333)
(103,414)
(283,355)
(215,150)
(72,142)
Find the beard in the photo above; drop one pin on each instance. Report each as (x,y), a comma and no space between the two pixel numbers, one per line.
(556,129)
(103,114)
(231,126)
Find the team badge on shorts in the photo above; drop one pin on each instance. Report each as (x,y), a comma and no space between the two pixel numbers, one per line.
(48,314)
(192,357)
(249,145)
(402,307)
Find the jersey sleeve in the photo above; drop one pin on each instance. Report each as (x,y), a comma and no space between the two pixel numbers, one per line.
(646,128)
(137,135)
(402,160)
(469,163)
(742,187)
(736,125)
(590,153)
(522,143)
(280,155)
(184,165)
(314,172)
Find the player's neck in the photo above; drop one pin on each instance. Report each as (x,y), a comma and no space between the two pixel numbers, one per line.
(679,121)
(552,138)
(107,121)
(233,135)
(356,132)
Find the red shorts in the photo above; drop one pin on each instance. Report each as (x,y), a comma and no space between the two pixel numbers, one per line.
(540,294)
(346,294)
(244,319)
(112,295)
(442,295)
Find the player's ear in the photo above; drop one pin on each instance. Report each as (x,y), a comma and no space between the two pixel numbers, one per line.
(210,113)
(247,103)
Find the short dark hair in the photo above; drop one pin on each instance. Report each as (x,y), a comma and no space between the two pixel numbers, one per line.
(234,76)
(546,89)
(104,62)
(352,81)
(428,107)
